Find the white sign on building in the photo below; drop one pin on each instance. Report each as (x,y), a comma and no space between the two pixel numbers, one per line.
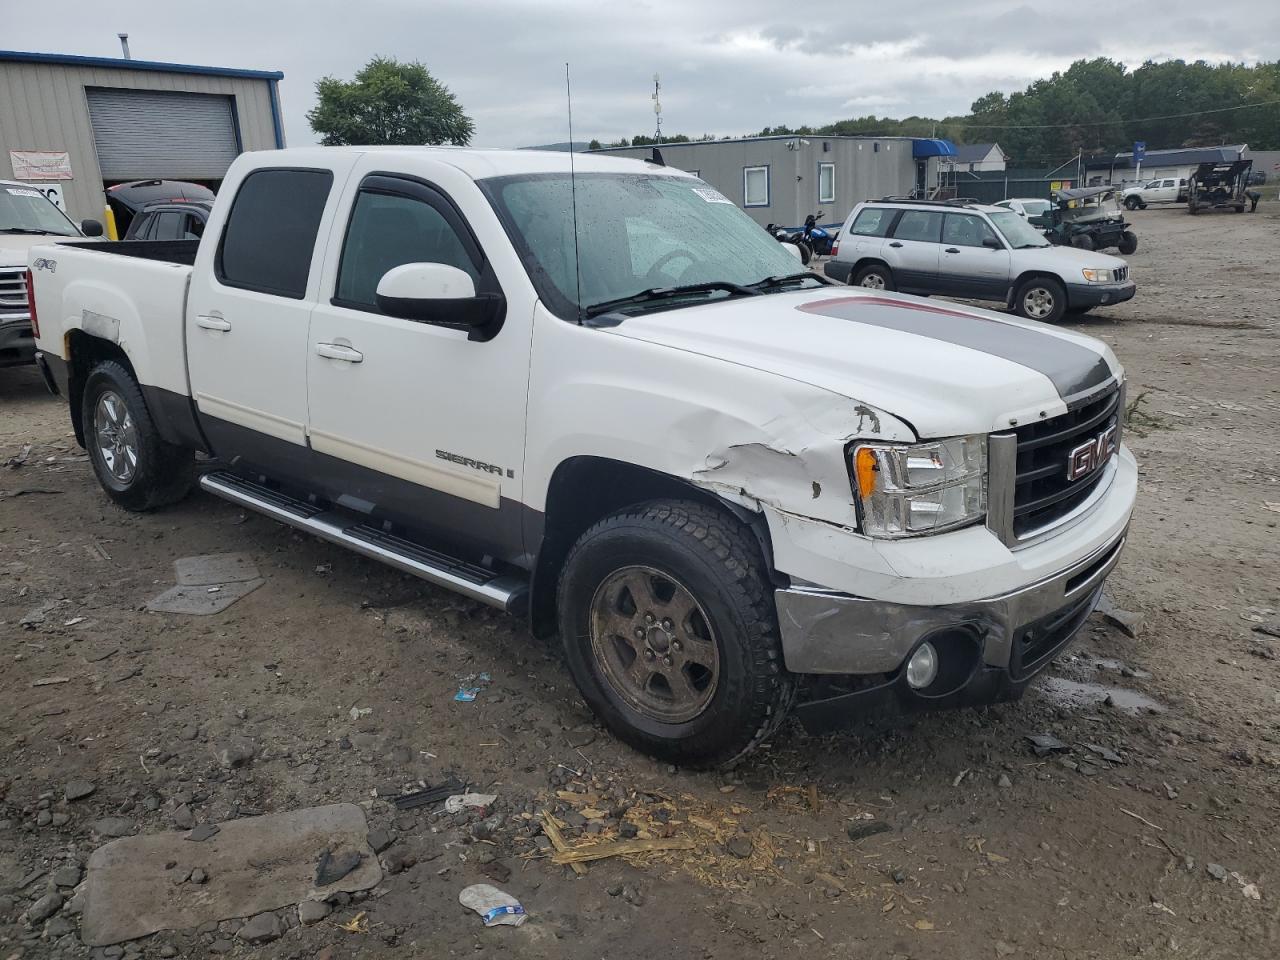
(41,164)
(53,191)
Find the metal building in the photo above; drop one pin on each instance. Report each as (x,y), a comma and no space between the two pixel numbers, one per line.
(782,180)
(72,125)
(1176,163)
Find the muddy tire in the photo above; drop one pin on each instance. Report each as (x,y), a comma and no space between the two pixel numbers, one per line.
(137,469)
(1128,242)
(1042,299)
(874,276)
(669,629)
(1082,241)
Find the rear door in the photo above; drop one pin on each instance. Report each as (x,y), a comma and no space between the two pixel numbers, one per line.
(967,267)
(414,422)
(252,293)
(912,249)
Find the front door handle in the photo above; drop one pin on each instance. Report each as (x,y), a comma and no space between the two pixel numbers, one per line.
(213,323)
(895,244)
(951,250)
(338,351)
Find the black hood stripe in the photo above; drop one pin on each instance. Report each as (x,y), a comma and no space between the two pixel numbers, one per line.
(1073,369)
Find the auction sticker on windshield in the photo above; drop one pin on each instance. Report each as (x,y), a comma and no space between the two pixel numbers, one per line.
(710,195)
(22,192)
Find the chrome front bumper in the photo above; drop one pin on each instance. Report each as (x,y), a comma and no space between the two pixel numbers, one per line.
(825,632)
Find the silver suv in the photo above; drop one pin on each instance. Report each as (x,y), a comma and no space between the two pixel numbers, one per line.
(976,252)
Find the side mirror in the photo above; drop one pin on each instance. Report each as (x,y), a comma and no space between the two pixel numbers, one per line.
(436,293)
(91,228)
(993,243)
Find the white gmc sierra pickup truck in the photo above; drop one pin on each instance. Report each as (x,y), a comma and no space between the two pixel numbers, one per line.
(608,401)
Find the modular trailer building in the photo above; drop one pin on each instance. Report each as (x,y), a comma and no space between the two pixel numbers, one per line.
(783,179)
(74,124)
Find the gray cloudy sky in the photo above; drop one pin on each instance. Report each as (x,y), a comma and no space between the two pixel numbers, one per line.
(727,66)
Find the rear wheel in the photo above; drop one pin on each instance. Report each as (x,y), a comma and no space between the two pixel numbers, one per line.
(874,276)
(1128,242)
(669,629)
(137,469)
(1041,298)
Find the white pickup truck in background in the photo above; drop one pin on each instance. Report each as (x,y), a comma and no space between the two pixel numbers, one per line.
(730,486)
(1164,190)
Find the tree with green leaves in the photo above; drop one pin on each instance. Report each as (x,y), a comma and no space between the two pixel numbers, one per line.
(388,102)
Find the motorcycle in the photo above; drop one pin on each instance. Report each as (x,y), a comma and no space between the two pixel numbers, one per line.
(793,237)
(816,238)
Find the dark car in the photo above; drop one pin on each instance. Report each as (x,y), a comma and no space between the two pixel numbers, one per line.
(170,220)
(126,200)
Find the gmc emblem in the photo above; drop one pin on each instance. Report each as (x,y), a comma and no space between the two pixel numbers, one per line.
(1092,454)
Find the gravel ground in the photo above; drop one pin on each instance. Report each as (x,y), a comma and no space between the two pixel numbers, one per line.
(1154,834)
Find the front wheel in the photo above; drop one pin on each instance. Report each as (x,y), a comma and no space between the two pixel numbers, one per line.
(1082,241)
(1041,298)
(135,466)
(1128,242)
(669,630)
(1132,203)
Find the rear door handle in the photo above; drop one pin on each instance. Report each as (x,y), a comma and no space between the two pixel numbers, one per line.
(213,323)
(337,351)
(951,250)
(895,244)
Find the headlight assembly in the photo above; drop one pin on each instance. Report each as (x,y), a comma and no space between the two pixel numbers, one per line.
(1098,275)
(909,490)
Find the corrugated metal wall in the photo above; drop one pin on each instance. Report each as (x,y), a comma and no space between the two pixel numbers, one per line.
(865,169)
(43,106)
(162,133)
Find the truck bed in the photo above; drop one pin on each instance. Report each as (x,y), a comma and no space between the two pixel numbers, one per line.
(168,251)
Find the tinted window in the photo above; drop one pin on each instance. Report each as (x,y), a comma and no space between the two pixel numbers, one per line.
(271,231)
(386,231)
(193,228)
(919,225)
(872,222)
(140,229)
(964,230)
(168,225)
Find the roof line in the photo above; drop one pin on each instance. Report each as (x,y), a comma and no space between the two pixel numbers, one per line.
(116,63)
(772,136)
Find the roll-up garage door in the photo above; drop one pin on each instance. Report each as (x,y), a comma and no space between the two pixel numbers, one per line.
(145,134)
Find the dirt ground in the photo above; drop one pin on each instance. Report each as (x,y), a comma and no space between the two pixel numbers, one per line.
(1156,835)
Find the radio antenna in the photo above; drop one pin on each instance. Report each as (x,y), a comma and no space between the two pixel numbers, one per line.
(573,194)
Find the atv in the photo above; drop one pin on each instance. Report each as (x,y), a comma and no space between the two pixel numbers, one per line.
(1087,217)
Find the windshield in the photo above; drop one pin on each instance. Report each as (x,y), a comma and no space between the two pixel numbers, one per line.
(26,210)
(636,232)
(1017,231)
(1035,207)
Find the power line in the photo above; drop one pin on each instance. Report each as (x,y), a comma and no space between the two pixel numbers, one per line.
(1105,123)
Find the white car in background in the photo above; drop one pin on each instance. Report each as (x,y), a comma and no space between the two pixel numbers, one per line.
(1026,207)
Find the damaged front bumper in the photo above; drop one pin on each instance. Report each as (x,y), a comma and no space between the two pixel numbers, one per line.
(998,644)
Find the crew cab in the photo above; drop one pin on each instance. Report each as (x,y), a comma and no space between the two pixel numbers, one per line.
(27,218)
(1164,190)
(591,391)
(975,251)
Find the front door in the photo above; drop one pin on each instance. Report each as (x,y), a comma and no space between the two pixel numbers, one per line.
(912,250)
(252,293)
(414,423)
(966,266)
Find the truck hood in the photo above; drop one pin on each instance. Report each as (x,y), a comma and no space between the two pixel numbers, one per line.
(945,370)
(1063,257)
(14,246)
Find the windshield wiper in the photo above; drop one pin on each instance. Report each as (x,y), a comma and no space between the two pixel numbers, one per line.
(769,283)
(35,230)
(666,293)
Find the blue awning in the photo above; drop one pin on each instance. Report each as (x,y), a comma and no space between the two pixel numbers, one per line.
(932,148)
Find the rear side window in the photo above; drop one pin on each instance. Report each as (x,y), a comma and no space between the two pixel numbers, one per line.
(168,225)
(919,225)
(271,231)
(872,222)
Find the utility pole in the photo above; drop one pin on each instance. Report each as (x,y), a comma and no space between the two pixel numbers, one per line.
(657,108)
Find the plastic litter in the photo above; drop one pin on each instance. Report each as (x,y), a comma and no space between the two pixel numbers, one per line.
(357,712)
(469,687)
(495,907)
(460,801)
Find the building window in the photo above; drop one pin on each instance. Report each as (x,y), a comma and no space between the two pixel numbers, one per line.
(826,183)
(755,186)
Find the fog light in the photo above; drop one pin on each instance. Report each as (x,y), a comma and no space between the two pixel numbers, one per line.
(922,668)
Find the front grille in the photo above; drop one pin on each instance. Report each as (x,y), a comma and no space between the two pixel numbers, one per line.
(1043,493)
(13,290)
(1122,274)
